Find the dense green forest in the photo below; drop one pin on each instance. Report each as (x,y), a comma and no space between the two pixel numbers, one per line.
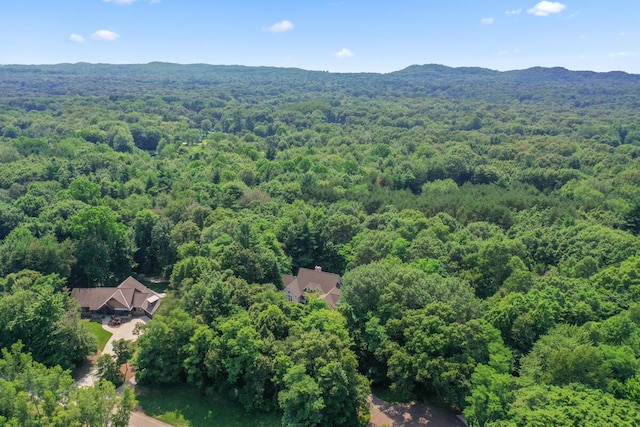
(485,225)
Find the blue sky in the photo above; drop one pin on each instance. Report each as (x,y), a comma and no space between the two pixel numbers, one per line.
(332,35)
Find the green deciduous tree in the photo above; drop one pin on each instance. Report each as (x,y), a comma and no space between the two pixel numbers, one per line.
(34,395)
(46,320)
(124,350)
(144,256)
(123,412)
(301,399)
(21,250)
(568,406)
(435,355)
(85,190)
(162,348)
(104,247)
(108,370)
(489,397)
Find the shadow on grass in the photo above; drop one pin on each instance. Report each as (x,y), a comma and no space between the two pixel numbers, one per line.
(187,407)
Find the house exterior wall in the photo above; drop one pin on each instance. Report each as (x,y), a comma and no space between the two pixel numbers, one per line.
(115,305)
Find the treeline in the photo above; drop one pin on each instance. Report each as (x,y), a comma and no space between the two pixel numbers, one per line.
(226,336)
(485,225)
(32,394)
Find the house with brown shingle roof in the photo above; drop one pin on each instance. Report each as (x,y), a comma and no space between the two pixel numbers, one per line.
(308,280)
(129,298)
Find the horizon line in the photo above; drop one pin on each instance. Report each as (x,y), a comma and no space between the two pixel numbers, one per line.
(319,71)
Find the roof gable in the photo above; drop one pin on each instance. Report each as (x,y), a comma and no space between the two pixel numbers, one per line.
(294,288)
(316,280)
(131,283)
(287,279)
(331,297)
(121,298)
(129,294)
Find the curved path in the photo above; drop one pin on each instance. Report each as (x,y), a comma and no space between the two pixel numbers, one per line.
(123,331)
(139,419)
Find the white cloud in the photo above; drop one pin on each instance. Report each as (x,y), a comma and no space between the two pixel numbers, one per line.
(105,35)
(76,38)
(622,54)
(280,27)
(546,8)
(487,21)
(343,53)
(513,12)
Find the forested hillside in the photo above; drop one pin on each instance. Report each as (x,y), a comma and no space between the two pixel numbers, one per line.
(485,225)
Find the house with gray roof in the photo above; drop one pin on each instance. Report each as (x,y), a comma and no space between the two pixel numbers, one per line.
(308,280)
(129,298)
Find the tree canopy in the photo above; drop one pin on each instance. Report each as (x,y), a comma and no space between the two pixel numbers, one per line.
(485,226)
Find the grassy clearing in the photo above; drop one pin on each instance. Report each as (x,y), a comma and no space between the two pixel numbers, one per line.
(102,335)
(388,395)
(187,407)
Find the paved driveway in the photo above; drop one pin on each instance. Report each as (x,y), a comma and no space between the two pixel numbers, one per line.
(138,419)
(123,331)
(411,415)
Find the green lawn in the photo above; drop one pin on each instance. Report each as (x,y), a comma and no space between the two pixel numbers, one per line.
(187,407)
(101,335)
(387,395)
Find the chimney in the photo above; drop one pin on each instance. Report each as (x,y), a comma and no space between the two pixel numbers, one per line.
(318,268)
